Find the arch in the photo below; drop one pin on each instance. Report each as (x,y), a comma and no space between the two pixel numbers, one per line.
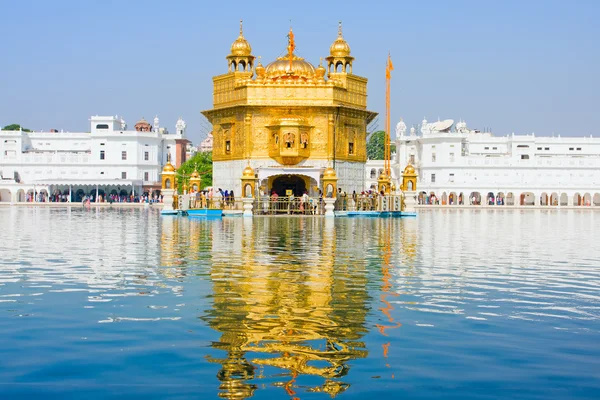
(348,67)
(241,66)
(43,195)
(544,199)
(510,199)
(283,183)
(490,198)
(564,199)
(500,199)
(553,199)
(577,199)
(422,198)
(587,199)
(596,199)
(123,192)
(475,198)
(233,66)
(339,64)
(5,195)
(247,190)
(527,199)
(373,173)
(167,183)
(380,171)
(433,199)
(452,199)
(444,198)
(20,195)
(461,198)
(409,186)
(195,187)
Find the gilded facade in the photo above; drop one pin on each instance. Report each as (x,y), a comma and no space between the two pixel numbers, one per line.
(289,120)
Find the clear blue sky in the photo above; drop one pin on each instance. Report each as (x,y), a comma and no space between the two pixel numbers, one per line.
(522,66)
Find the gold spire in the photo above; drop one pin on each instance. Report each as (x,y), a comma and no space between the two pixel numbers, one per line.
(340,47)
(291,46)
(241,47)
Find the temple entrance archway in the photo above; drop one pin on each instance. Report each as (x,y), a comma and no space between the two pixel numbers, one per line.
(283,183)
(596,200)
(544,199)
(554,199)
(577,200)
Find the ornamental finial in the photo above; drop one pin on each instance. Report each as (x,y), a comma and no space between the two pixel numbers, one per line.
(241,30)
(340,29)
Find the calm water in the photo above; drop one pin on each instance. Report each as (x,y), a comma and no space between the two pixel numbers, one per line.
(454,304)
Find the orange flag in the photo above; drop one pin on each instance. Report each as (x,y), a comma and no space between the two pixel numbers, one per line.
(389,67)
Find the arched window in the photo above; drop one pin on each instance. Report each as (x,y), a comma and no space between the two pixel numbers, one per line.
(373,173)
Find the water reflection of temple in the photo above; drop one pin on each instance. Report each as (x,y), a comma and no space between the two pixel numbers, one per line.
(281,300)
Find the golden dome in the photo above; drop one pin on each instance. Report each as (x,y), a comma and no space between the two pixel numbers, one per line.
(195,175)
(169,167)
(248,172)
(280,68)
(241,47)
(329,173)
(340,48)
(409,170)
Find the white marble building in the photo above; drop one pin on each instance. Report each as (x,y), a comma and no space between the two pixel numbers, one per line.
(456,164)
(109,159)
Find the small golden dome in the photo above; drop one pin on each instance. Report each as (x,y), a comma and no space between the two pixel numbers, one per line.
(169,167)
(340,48)
(195,175)
(280,69)
(241,47)
(260,70)
(383,176)
(320,72)
(248,172)
(409,170)
(329,173)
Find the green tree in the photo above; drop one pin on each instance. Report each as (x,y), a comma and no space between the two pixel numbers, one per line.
(201,162)
(15,127)
(376,146)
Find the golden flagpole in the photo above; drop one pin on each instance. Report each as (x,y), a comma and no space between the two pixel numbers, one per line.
(387,147)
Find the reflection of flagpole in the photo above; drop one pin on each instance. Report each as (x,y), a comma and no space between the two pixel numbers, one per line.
(386,291)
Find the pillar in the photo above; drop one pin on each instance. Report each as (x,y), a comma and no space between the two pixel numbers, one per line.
(329,190)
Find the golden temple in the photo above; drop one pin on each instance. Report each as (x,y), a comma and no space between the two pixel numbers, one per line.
(289,120)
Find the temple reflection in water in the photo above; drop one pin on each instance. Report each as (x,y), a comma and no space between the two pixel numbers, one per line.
(290,297)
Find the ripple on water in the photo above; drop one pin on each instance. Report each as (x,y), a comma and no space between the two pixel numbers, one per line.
(454,304)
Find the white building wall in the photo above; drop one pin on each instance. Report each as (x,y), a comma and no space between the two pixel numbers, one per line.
(65,156)
(480,162)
